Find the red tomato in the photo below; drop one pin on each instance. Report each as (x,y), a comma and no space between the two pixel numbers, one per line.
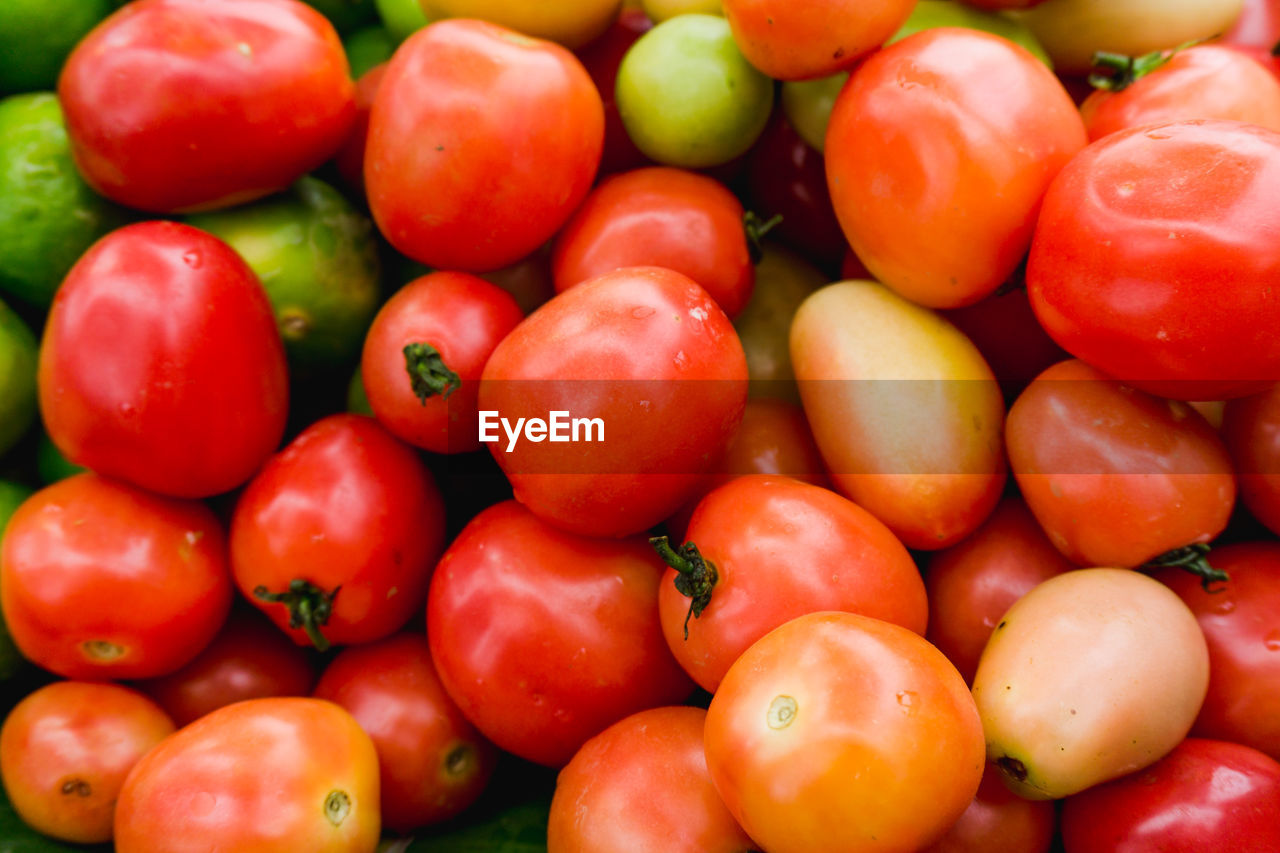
(762,550)
(161,363)
(431,761)
(838,733)
(65,751)
(1005,330)
(939,151)
(260,776)
(424,354)
(544,638)
(642,785)
(350,157)
(1158,277)
(481,143)
(650,355)
(1258,24)
(1116,477)
(176,105)
(248,659)
(1205,795)
(999,820)
(800,39)
(1205,81)
(99,579)
(973,583)
(335,537)
(1238,619)
(660,217)
(601,58)
(1251,429)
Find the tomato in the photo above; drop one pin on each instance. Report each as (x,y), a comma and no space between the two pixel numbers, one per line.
(75,552)
(813,38)
(1204,81)
(528,280)
(570,22)
(660,217)
(1157,277)
(905,411)
(1204,795)
(838,732)
(1258,25)
(335,537)
(178,105)
(350,157)
(642,785)
(762,550)
(262,775)
(481,143)
(197,399)
(544,638)
(65,751)
(939,151)
(1238,618)
(972,584)
(602,58)
(424,355)
(927,14)
(651,357)
(1251,430)
(1005,330)
(248,659)
(1116,477)
(432,762)
(998,819)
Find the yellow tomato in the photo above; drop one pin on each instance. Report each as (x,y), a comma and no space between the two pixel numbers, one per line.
(572,23)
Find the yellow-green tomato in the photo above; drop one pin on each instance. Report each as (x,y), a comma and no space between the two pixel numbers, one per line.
(808,105)
(659,10)
(1072,30)
(904,409)
(1091,675)
(572,23)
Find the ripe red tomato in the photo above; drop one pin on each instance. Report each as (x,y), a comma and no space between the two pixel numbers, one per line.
(248,659)
(998,819)
(1116,477)
(838,732)
(650,355)
(99,579)
(1161,278)
(939,151)
(1204,795)
(179,105)
(424,354)
(762,550)
(350,157)
(660,217)
(65,751)
(642,785)
(432,762)
(544,638)
(481,143)
(1251,429)
(335,538)
(257,776)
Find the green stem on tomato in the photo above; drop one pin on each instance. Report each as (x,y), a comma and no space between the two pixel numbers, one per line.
(1191,558)
(309,607)
(428,374)
(1118,72)
(756,229)
(696,576)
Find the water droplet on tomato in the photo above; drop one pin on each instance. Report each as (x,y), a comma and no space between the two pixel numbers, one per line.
(1272,641)
(907,699)
(1224,606)
(192,258)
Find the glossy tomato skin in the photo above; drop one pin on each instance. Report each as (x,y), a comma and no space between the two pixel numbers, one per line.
(1238,621)
(939,151)
(461,103)
(1204,795)
(838,732)
(642,785)
(782,548)
(349,509)
(972,583)
(77,551)
(261,776)
(649,353)
(999,819)
(65,751)
(1251,430)
(248,659)
(1156,277)
(432,762)
(1116,477)
(463,318)
(660,217)
(544,638)
(197,400)
(179,105)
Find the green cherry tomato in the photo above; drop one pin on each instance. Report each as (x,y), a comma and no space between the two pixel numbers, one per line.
(688,97)
(808,103)
(37,35)
(368,47)
(17,378)
(402,18)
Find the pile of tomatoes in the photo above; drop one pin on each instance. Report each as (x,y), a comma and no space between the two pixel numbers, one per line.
(487,433)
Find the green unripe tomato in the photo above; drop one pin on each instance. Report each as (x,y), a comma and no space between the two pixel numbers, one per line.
(688,97)
(17,378)
(402,18)
(368,47)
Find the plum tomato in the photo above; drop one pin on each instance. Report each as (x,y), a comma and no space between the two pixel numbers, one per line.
(999,819)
